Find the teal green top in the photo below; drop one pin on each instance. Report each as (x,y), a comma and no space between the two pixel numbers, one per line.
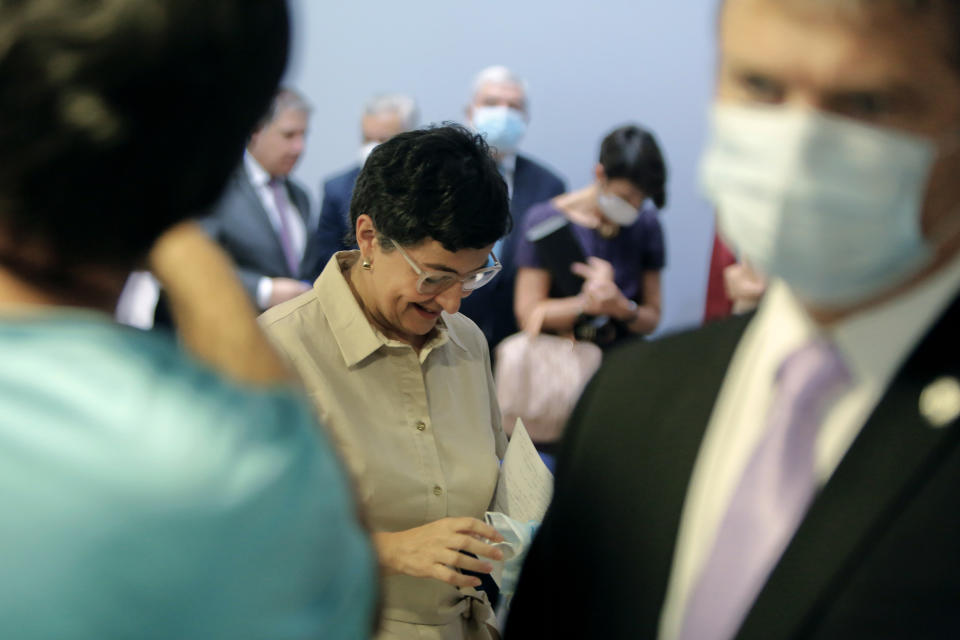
(144,497)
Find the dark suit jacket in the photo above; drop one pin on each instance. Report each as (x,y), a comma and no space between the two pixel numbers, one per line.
(334,224)
(877,556)
(492,306)
(240,224)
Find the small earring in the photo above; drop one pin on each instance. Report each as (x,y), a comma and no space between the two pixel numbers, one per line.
(365,264)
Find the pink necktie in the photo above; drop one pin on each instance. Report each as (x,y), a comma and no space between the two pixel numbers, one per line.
(279,198)
(772,497)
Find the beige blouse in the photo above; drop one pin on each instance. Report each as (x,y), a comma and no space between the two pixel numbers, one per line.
(420,433)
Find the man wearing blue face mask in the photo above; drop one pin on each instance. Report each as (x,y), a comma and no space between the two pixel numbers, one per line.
(794,473)
(499,111)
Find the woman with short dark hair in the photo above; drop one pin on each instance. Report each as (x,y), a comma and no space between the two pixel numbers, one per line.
(404,380)
(614,220)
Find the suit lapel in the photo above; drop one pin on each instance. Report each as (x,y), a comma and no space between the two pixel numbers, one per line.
(676,435)
(519,203)
(629,450)
(300,200)
(260,219)
(674,411)
(895,452)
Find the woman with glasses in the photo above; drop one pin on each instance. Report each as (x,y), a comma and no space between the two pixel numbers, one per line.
(404,381)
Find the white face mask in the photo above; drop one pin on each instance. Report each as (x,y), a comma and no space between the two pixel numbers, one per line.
(617,210)
(829,205)
(365,151)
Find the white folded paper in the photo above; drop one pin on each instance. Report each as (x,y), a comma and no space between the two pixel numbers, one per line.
(525,485)
(520,502)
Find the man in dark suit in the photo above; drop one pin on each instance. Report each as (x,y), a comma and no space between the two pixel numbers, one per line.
(260,220)
(499,110)
(794,473)
(384,116)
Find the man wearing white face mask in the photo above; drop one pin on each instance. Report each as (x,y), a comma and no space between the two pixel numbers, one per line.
(794,473)
(384,116)
(499,110)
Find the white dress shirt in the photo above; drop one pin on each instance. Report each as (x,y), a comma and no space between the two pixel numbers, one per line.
(508,166)
(260,180)
(138,300)
(873,343)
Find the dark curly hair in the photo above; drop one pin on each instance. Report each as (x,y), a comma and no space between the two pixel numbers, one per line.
(439,183)
(632,153)
(119,118)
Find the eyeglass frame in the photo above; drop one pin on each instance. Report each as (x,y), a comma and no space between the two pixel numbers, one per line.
(423,275)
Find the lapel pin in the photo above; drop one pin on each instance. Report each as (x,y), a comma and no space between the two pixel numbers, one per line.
(940,401)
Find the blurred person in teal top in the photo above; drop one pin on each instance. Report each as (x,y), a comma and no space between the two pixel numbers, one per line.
(151,489)
(147,497)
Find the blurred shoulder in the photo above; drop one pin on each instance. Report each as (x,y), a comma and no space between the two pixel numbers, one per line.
(183,398)
(343,179)
(650,215)
(540,212)
(647,229)
(236,192)
(150,417)
(671,362)
(539,169)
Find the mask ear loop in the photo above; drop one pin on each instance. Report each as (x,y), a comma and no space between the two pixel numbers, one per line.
(948,228)
(948,144)
(946,231)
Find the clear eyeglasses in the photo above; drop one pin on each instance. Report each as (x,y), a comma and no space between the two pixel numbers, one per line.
(434,282)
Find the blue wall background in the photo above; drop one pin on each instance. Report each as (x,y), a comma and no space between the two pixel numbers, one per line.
(590,67)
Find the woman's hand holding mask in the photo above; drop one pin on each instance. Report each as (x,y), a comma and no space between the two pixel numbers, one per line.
(433,550)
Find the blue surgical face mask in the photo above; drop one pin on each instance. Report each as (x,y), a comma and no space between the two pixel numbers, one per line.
(829,205)
(502,127)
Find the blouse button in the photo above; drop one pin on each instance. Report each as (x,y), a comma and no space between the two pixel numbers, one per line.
(421,426)
(438,490)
